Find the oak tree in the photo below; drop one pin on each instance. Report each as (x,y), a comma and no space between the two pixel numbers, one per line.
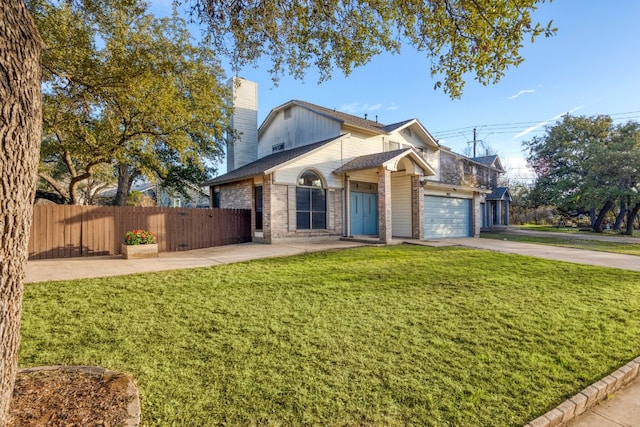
(20,128)
(458,37)
(585,164)
(126,89)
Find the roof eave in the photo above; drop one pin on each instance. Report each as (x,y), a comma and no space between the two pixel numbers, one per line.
(274,168)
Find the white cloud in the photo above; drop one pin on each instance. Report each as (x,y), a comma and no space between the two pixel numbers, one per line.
(356,108)
(541,124)
(522,92)
(352,108)
(530,129)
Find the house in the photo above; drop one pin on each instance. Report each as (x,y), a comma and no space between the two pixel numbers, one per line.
(156,195)
(312,172)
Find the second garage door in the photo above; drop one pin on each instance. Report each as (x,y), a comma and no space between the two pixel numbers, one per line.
(446,217)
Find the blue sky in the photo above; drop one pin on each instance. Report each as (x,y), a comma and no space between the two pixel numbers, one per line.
(590,67)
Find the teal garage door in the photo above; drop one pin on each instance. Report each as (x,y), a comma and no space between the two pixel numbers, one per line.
(446,217)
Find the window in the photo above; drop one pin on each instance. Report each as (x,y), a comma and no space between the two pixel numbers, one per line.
(216,199)
(258,195)
(277,147)
(311,204)
(406,132)
(287,113)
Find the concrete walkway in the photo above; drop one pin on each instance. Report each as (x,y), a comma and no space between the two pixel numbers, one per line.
(623,409)
(106,266)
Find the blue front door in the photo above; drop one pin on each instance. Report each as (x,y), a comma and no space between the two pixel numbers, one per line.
(364,214)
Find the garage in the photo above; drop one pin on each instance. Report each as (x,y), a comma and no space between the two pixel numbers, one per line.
(446,217)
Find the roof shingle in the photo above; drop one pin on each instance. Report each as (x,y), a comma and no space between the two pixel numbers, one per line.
(261,165)
(369,161)
(347,119)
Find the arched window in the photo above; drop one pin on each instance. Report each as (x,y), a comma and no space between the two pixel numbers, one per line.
(311,203)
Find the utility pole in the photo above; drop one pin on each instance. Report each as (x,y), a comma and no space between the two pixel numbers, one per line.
(475,141)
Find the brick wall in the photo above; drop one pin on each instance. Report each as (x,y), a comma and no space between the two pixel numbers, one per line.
(237,195)
(282,199)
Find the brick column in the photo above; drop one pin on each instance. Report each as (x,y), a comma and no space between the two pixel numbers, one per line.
(417,208)
(266,209)
(384,205)
(476,215)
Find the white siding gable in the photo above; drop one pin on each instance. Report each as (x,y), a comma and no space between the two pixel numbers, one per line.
(301,127)
(329,158)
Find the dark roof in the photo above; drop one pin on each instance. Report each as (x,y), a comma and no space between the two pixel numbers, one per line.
(259,166)
(499,193)
(485,160)
(347,119)
(392,127)
(369,161)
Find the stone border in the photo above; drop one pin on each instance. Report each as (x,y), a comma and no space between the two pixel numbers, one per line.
(589,397)
(134,405)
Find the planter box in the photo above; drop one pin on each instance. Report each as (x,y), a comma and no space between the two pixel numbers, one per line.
(139,251)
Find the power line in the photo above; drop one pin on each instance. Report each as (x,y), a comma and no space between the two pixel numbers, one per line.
(504,128)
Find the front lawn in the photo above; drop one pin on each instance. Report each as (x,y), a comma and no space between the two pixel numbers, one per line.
(569,242)
(389,336)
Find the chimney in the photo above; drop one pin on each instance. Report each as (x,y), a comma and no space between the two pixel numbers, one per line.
(244,122)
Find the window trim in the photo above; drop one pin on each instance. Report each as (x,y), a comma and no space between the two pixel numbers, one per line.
(309,191)
(259,219)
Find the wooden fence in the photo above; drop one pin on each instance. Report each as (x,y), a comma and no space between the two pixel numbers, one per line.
(63,231)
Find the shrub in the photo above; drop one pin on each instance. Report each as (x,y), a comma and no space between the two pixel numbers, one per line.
(139,237)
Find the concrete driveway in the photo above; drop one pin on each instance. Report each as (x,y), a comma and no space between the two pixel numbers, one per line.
(578,256)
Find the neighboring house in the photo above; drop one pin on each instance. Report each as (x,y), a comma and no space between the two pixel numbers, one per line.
(156,195)
(495,211)
(312,172)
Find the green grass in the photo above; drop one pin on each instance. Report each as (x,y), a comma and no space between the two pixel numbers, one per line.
(388,336)
(568,242)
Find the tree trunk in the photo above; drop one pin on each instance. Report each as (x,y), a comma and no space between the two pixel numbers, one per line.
(124,184)
(597,225)
(631,216)
(125,180)
(20,132)
(620,216)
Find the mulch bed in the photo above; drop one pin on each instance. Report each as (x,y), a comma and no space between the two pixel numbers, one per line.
(70,397)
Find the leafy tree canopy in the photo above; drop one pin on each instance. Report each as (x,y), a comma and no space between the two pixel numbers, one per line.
(458,36)
(126,89)
(587,163)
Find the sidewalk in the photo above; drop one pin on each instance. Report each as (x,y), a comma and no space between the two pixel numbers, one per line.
(105,266)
